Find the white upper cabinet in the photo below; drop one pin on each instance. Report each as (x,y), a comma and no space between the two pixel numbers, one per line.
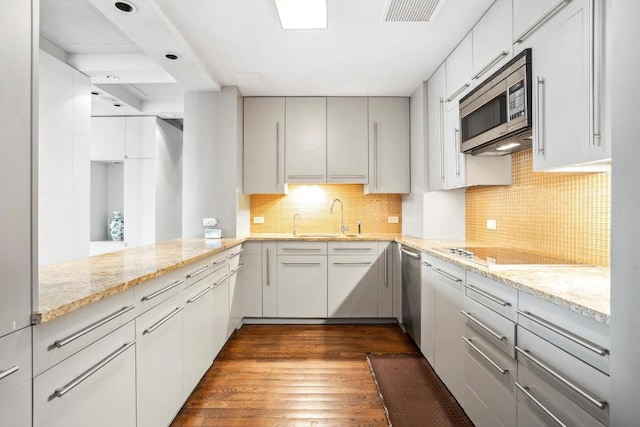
(108,136)
(140,136)
(567,103)
(306,140)
(264,121)
(459,67)
(528,15)
(347,140)
(436,91)
(389,146)
(454,160)
(492,40)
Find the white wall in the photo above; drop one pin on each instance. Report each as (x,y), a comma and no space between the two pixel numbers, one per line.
(169,181)
(212,181)
(625,210)
(64,166)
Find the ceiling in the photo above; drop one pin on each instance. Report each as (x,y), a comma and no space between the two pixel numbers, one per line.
(241,43)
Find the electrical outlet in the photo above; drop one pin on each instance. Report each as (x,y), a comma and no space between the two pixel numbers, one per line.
(393,220)
(258,220)
(209,222)
(491,224)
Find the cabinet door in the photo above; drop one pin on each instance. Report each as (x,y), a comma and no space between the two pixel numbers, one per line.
(455,162)
(352,286)
(302,286)
(459,72)
(306,140)
(263,169)
(427,305)
(198,332)
(389,146)
(527,13)
(436,89)
(15,378)
(140,137)
(246,300)
(492,40)
(385,279)
(108,138)
(15,406)
(96,386)
(159,361)
(347,140)
(235,317)
(220,313)
(269,280)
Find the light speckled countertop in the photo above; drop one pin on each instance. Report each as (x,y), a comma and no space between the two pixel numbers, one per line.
(69,286)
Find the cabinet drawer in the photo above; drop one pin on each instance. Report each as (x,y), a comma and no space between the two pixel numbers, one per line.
(97,384)
(585,338)
(555,376)
(15,406)
(495,365)
(452,272)
(499,331)
(302,286)
(302,248)
(151,293)
(15,359)
(195,272)
(352,286)
(487,402)
(56,340)
(353,248)
(498,297)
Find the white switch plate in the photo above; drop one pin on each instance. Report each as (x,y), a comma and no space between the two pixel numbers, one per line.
(393,220)
(209,222)
(258,220)
(491,224)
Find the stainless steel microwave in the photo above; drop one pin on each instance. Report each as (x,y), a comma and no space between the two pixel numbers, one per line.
(495,118)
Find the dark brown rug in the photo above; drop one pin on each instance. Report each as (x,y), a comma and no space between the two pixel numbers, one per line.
(412,394)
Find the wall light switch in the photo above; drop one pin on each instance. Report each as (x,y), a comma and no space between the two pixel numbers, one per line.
(393,220)
(258,220)
(491,224)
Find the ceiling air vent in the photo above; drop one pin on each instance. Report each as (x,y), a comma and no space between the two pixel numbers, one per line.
(410,10)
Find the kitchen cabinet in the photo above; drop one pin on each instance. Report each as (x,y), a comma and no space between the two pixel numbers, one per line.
(160,363)
(459,66)
(427,307)
(385,281)
(108,138)
(16,406)
(15,378)
(306,140)
(95,386)
(263,151)
(567,79)
(352,279)
(246,296)
(529,16)
(389,145)
(220,295)
(492,40)
(347,140)
(235,317)
(454,160)
(269,280)
(436,91)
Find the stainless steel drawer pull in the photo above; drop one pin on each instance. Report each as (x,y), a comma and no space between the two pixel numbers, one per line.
(4,374)
(568,335)
(411,254)
(235,254)
(386,269)
(163,290)
(220,261)
(61,391)
(539,404)
(70,338)
(162,321)
(347,176)
(202,270)
(540,21)
(490,64)
(305,176)
(200,295)
(487,295)
(225,277)
(235,270)
(588,396)
(351,249)
(268,267)
(483,326)
(484,356)
(447,275)
(458,92)
(301,263)
(353,263)
(301,249)
(426,264)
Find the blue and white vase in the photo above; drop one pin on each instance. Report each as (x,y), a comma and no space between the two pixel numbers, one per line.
(116,227)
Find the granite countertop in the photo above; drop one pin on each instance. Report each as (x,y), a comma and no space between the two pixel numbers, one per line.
(71,285)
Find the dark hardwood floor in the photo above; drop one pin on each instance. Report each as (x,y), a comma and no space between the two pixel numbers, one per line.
(294,375)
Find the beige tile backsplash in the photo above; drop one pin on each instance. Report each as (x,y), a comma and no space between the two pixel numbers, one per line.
(565,215)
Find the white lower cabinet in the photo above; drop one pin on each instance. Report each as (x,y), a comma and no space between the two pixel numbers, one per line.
(385,281)
(220,296)
(15,406)
(352,286)
(427,307)
(160,368)
(246,296)
(302,286)
(96,386)
(15,378)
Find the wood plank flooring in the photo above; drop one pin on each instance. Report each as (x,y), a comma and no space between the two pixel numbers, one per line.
(294,375)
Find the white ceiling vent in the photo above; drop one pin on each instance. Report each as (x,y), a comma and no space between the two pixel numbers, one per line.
(411,10)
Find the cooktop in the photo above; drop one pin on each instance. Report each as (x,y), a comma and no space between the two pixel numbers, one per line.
(501,257)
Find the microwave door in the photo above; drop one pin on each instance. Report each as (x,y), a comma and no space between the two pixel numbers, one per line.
(484,118)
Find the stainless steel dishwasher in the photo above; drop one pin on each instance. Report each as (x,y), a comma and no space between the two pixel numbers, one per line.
(411,295)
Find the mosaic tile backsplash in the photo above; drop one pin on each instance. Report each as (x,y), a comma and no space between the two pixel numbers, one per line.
(313,202)
(566,215)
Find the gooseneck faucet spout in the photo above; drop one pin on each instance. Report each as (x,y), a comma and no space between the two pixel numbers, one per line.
(342,227)
(295,230)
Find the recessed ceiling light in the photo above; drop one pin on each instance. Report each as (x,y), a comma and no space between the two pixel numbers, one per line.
(172,56)
(95,93)
(112,77)
(117,104)
(169,115)
(124,6)
(302,14)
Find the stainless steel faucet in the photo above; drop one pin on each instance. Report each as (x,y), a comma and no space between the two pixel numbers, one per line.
(342,227)
(295,230)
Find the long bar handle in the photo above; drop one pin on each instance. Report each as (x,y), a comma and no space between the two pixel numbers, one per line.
(84,331)
(588,396)
(200,295)
(235,254)
(347,176)
(386,268)
(483,326)
(221,260)
(541,21)
(278,156)
(235,270)
(426,264)
(268,266)
(447,275)
(539,404)
(539,118)
(353,263)
(458,92)
(302,249)
(305,176)
(596,82)
(411,254)
(491,63)
(570,336)
(441,135)
(163,290)
(9,371)
(61,391)
(456,137)
(162,321)
(301,263)
(488,296)
(202,270)
(485,357)
(375,154)
(351,249)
